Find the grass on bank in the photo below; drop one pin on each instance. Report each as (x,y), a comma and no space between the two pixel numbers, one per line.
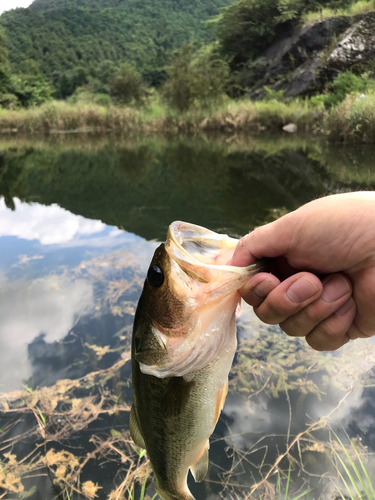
(232,115)
(360,7)
(351,121)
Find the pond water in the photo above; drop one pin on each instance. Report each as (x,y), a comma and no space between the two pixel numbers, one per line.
(80,218)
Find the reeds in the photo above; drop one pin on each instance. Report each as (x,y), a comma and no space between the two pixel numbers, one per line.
(57,116)
(234,116)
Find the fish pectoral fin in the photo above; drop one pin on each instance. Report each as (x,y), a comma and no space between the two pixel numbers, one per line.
(220,400)
(135,431)
(176,396)
(200,467)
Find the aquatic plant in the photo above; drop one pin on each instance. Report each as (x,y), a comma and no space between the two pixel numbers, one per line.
(354,478)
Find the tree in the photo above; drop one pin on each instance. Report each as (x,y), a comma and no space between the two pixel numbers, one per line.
(127,85)
(5,70)
(195,78)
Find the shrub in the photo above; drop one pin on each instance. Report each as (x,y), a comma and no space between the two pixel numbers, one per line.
(273,95)
(103,100)
(9,101)
(195,78)
(353,120)
(345,84)
(127,85)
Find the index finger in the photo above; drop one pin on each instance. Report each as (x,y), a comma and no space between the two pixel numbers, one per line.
(270,240)
(242,256)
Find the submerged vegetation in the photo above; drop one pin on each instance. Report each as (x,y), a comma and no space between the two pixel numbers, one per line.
(263,376)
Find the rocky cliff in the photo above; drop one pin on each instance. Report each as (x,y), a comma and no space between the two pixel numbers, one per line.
(308,59)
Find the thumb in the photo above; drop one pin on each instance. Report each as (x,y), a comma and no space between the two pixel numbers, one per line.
(271,240)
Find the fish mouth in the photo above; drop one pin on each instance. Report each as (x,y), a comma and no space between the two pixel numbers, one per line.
(199,245)
(201,252)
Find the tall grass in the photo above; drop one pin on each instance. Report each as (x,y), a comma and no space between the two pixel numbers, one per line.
(61,116)
(356,8)
(354,477)
(236,116)
(280,495)
(353,120)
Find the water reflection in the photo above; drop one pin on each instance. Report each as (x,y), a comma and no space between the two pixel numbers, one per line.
(70,277)
(46,309)
(49,225)
(144,185)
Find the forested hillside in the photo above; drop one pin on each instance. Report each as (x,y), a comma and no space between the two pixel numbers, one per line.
(72,40)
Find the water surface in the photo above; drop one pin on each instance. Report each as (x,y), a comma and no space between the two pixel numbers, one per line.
(80,218)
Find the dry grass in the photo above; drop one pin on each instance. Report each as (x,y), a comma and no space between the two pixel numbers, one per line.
(60,116)
(234,117)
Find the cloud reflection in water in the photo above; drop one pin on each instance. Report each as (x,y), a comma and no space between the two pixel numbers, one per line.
(50,225)
(40,293)
(28,309)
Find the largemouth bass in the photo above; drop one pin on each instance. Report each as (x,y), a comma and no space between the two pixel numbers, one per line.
(184,341)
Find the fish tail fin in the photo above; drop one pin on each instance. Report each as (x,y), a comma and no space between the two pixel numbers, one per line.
(176,495)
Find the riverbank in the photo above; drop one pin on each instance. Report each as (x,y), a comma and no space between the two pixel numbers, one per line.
(351,121)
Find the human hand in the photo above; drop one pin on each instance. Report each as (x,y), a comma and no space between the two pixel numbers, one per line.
(333,238)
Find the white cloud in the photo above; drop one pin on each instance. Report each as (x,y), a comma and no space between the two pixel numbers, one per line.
(48,224)
(13,4)
(28,309)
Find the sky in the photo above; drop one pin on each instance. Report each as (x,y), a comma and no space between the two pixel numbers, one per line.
(12,4)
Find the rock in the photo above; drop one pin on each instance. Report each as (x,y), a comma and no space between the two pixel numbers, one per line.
(304,63)
(291,128)
(357,45)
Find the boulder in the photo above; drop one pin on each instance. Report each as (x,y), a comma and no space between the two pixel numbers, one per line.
(306,61)
(357,45)
(291,128)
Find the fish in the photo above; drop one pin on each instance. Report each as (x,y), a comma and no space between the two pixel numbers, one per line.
(183,346)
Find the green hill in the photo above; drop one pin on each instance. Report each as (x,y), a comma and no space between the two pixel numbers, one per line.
(81,39)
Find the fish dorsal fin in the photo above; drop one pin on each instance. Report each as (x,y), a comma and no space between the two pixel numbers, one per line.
(200,466)
(135,431)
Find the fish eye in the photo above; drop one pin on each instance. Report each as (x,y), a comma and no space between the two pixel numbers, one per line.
(155,276)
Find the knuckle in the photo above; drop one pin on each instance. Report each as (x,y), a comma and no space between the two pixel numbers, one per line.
(270,312)
(296,326)
(329,330)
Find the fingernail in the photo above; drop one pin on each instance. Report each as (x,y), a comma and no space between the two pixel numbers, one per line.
(345,308)
(335,288)
(301,290)
(264,288)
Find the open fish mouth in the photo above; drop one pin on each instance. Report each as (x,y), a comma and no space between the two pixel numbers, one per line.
(206,288)
(199,251)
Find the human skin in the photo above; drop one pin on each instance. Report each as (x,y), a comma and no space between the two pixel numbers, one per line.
(323,281)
